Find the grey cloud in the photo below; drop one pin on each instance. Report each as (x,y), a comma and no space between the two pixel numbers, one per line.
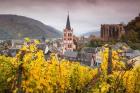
(85,15)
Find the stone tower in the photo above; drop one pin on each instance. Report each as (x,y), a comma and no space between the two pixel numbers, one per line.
(68,44)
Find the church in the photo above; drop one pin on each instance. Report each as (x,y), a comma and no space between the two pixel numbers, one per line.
(68,36)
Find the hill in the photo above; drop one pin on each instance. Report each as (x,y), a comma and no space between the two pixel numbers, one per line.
(132,36)
(19,27)
(97,33)
(133,29)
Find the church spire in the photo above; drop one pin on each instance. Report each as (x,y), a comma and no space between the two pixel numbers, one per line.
(68,23)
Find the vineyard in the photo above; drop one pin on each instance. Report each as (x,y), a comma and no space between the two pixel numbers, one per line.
(29,72)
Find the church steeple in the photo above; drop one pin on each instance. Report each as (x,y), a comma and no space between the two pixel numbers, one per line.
(68,44)
(68,23)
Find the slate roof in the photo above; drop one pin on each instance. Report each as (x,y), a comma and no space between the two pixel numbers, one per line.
(68,23)
(88,50)
(71,54)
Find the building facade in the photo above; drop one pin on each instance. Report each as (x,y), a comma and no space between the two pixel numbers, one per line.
(68,44)
(112,31)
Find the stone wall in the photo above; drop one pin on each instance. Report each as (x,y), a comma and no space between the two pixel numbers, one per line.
(112,31)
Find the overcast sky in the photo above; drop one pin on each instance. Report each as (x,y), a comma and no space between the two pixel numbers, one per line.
(85,15)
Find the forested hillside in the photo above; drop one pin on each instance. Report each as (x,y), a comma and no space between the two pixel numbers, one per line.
(19,27)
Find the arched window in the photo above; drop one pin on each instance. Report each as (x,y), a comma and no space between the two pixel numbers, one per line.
(65,34)
(69,46)
(69,34)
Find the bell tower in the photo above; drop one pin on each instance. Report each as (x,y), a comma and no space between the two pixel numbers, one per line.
(68,44)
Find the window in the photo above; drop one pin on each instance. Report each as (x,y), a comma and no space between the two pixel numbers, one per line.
(65,34)
(69,34)
(69,46)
